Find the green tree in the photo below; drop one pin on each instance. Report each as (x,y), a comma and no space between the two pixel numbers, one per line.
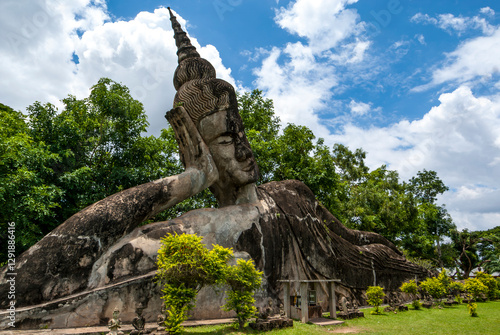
(185,266)
(350,165)
(434,221)
(426,186)
(488,248)
(465,243)
(27,197)
(243,279)
(380,204)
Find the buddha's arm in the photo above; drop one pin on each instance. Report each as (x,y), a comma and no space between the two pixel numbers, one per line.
(127,209)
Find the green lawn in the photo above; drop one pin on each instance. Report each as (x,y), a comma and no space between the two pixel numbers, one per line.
(450,320)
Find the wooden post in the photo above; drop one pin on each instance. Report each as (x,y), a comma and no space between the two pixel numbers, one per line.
(304,306)
(286,300)
(331,300)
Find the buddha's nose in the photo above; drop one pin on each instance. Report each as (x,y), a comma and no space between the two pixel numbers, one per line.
(243,150)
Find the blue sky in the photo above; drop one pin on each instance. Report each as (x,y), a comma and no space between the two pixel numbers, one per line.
(416,84)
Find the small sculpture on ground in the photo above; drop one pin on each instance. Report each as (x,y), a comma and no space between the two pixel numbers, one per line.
(267,321)
(139,322)
(428,303)
(349,310)
(282,311)
(450,301)
(343,302)
(115,323)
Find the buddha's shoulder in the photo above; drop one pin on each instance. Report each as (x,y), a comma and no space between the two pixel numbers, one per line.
(287,189)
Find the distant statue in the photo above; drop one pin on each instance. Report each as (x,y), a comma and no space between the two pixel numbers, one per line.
(139,322)
(343,304)
(115,323)
(280,225)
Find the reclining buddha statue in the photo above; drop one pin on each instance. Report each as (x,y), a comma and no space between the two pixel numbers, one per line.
(102,257)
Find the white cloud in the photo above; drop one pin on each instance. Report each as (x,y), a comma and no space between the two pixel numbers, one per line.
(459,139)
(40,37)
(359,108)
(300,76)
(452,23)
(350,53)
(475,58)
(324,23)
(299,87)
(487,11)
(420,38)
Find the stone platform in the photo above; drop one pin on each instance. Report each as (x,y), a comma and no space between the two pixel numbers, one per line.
(325,322)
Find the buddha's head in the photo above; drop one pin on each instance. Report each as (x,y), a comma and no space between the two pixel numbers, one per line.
(212,106)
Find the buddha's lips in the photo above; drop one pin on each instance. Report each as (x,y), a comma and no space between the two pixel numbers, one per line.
(250,167)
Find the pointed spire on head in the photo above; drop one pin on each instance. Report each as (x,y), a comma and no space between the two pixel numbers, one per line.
(184,48)
(191,65)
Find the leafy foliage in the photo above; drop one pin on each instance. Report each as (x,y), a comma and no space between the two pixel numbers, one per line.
(411,288)
(243,279)
(475,288)
(26,197)
(375,296)
(185,266)
(476,249)
(434,287)
(472,308)
(490,283)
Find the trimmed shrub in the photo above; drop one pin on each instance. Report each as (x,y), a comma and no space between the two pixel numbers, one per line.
(475,288)
(411,288)
(490,283)
(434,287)
(375,295)
(243,279)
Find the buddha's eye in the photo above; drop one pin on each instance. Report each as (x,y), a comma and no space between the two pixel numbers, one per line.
(225,140)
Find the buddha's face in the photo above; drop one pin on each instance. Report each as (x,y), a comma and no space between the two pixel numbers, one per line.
(223,133)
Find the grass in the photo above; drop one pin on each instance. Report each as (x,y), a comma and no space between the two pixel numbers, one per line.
(449,320)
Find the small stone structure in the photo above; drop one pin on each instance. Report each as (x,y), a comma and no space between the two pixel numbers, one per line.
(305,308)
(450,301)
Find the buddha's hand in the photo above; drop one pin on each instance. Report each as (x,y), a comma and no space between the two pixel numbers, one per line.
(194,152)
